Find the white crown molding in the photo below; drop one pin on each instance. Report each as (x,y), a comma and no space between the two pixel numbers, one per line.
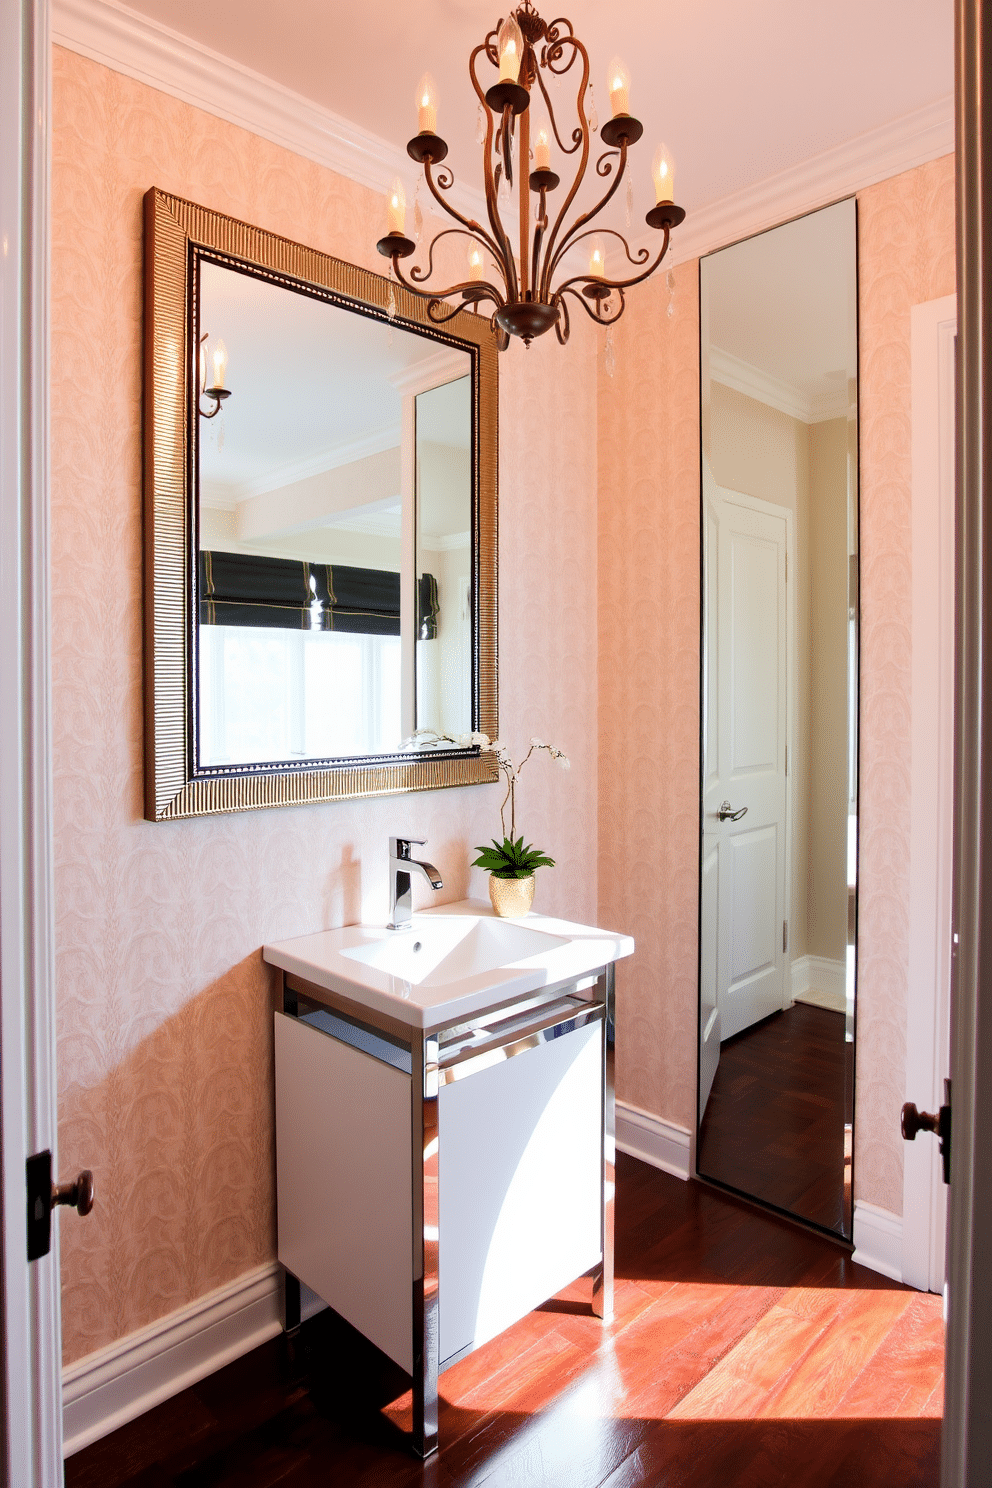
(114,1385)
(430,372)
(925,134)
(654,1140)
(120,38)
(745,378)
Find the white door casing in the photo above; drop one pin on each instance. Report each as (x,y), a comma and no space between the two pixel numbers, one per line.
(746,708)
(31,1449)
(932,789)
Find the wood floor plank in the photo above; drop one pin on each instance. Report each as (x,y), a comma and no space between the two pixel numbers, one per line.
(744,1351)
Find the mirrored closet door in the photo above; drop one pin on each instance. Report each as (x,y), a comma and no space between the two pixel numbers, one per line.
(779,781)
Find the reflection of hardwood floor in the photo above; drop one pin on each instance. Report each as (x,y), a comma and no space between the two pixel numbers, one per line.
(745,1351)
(774,1124)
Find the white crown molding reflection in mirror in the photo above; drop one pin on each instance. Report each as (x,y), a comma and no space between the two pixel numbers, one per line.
(178,783)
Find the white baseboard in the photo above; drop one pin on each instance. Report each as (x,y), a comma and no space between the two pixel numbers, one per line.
(878,1239)
(112,1386)
(660,1143)
(821,981)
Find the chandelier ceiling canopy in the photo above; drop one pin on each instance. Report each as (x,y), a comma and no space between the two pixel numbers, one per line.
(521,262)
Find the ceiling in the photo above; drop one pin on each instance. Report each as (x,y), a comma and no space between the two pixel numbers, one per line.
(738,91)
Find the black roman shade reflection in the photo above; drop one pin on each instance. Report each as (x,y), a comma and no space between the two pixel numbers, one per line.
(286,594)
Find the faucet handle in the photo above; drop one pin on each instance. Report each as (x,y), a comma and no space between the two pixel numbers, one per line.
(399,847)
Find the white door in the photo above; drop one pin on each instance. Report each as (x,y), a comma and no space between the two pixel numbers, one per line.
(746,672)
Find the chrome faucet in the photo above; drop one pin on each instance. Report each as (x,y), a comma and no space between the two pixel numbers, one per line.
(400,894)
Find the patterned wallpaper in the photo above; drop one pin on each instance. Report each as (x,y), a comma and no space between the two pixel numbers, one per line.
(649,688)
(649,640)
(164,1003)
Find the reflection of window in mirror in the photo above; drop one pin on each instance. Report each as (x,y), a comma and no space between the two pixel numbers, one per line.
(310,605)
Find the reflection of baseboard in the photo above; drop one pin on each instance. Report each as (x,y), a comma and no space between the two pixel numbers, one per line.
(878,1239)
(820,982)
(654,1140)
(117,1383)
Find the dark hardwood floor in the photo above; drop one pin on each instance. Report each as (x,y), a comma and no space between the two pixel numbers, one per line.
(745,1351)
(774,1122)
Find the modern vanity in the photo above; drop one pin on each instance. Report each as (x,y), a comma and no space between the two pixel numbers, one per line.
(445,1127)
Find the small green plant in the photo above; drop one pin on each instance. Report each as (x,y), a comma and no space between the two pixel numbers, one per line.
(509,859)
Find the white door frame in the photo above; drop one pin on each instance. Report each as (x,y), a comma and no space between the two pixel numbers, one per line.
(32,1418)
(932,789)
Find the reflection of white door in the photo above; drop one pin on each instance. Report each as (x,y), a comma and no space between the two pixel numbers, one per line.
(745,733)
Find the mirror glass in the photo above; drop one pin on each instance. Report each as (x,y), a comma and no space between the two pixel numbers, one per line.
(779,716)
(334,525)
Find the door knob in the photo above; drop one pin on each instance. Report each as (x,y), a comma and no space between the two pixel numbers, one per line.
(725,812)
(914,1121)
(78,1195)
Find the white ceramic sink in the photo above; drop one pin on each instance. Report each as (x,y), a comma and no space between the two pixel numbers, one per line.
(438,952)
(453,961)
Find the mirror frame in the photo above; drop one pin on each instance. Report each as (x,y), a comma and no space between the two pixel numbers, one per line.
(177,234)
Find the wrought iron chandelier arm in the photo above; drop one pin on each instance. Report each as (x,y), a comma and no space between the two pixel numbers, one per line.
(643,254)
(580,173)
(574,233)
(620,284)
(483,291)
(471,227)
(492,293)
(420,276)
(576,133)
(504,254)
(601,320)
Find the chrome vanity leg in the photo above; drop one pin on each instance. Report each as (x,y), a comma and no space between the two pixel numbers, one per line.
(602,1281)
(425,1244)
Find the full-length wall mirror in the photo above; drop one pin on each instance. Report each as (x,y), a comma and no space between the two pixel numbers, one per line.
(779,693)
(321,526)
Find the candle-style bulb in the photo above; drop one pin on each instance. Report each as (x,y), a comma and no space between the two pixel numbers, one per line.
(219,359)
(397,209)
(618,83)
(426,101)
(475,263)
(542,145)
(510,47)
(597,260)
(663,172)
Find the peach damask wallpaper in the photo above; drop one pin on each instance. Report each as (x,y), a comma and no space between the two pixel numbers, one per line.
(649,660)
(164,1003)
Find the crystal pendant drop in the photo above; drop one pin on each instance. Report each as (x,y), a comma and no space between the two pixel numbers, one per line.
(630,199)
(670,281)
(391,303)
(593,116)
(503,196)
(220,431)
(480,126)
(610,358)
(418,216)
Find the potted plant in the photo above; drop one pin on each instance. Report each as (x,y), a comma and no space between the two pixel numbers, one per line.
(511,864)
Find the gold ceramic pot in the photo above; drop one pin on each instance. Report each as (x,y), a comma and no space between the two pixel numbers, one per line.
(511,897)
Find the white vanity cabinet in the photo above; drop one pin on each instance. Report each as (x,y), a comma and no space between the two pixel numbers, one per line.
(440,1174)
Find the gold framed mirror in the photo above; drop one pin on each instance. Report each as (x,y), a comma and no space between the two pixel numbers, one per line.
(320,526)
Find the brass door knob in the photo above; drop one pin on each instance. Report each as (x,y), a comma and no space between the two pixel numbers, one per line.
(78,1195)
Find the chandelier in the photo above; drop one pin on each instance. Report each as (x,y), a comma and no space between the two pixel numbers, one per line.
(526,270)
